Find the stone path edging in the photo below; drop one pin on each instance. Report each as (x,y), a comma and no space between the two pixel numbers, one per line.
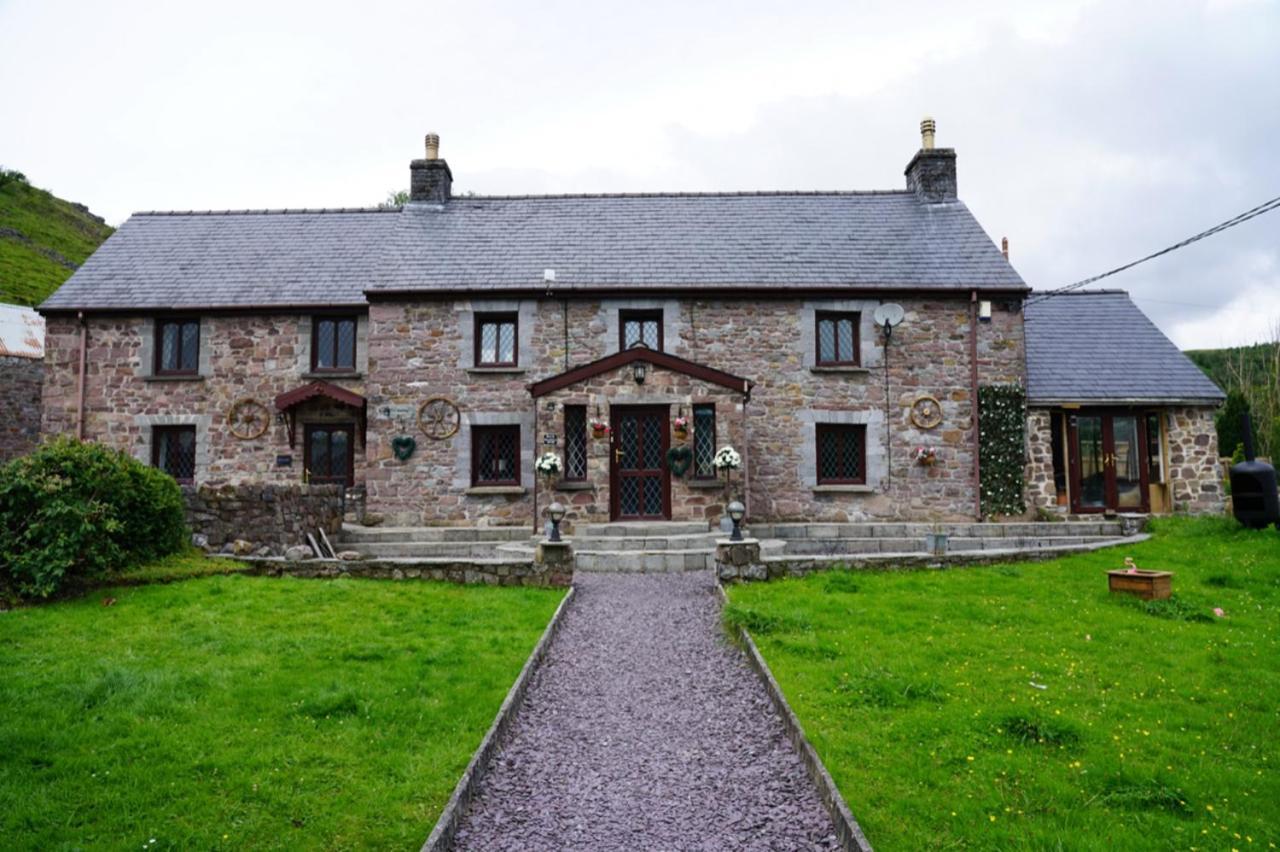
(441,838)
(847,828)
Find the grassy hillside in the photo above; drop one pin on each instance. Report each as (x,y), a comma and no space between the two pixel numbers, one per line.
(1253,373)
(43,239)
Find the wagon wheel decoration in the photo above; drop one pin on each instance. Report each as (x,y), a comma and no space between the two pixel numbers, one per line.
(926,412)
(438,418)
(248,419)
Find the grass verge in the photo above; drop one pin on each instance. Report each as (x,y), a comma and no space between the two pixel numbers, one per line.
(1023,707)
(244,712)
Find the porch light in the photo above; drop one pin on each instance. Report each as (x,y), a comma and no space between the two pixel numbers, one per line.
(638,371)
(736,512)
(556,511)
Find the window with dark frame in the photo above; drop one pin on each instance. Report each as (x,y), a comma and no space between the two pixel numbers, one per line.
(496,340)
(177,347)
(842,454)
(1155,456)
(495,455)
(640,327)
(704,441)
(173,450)
(575,443)
(333,344)
(837,339)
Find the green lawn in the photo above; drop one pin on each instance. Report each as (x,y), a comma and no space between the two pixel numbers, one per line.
(236,712)
(1022,707)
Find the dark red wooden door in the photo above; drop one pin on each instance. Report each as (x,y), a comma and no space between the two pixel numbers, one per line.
(1108,461)
(639,482)
(329,453)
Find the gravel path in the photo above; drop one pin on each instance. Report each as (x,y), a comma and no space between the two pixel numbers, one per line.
(645,729)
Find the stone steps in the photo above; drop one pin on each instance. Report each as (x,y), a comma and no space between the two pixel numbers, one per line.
(642,529)
(849,546)
(643,561)
(1026,529)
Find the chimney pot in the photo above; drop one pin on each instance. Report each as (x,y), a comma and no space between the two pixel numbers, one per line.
(433,146)
(430,179)
(927,129)
(1004,247)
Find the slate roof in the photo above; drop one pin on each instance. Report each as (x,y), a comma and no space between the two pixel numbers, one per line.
(1098,347)
(868,240)
(231,259)
(741,241)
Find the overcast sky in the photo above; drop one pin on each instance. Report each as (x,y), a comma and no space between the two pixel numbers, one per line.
(1089,133)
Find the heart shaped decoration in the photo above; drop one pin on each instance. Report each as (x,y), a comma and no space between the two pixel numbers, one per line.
(403,446)
(679,459)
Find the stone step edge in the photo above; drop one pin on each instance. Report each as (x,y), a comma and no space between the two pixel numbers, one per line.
(994,554)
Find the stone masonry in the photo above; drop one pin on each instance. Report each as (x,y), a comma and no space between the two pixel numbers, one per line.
(1194,468)
(276,517)
(20,386)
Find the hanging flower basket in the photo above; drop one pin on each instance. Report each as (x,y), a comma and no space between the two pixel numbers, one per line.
(926,456)
(680,426)
(548,464)
(599,429)
(726,459)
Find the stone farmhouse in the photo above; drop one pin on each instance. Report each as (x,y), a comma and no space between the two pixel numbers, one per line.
(425,356)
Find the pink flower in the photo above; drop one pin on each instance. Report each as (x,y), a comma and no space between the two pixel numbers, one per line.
(1218,611)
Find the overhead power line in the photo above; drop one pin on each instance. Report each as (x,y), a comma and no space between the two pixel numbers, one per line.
(1264,207)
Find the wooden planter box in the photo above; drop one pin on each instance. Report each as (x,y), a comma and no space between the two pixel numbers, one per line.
(1148,585)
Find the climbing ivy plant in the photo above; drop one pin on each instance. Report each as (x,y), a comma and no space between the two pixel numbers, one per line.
(1002,421)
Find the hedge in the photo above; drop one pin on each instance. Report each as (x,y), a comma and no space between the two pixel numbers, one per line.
(1002,423)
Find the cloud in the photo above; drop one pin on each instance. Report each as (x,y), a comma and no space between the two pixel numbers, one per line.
(1089,133)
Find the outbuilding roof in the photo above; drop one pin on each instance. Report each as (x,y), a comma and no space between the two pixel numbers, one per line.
(744,241)
(1098,347)
(21,332)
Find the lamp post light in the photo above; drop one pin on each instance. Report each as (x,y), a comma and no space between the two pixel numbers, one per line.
(736,512)
(556,511)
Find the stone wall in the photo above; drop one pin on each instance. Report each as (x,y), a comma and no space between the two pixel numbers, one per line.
(20,386)
(1195,474)
(1038,481)
(274,517)
(474,572)
(241,357)
(425,349)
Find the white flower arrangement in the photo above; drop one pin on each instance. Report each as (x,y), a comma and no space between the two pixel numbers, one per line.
(726,458)
(548,464)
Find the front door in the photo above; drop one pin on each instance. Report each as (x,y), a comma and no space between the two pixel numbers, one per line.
(639,482)
(329,453)
(1108,462)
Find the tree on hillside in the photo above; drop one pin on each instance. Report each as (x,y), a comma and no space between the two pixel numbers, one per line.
(396,198)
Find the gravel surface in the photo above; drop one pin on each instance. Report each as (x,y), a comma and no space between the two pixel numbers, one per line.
(645,729)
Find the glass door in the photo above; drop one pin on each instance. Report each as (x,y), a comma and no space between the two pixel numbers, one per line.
(640,485)
(329,453)
(1108,462)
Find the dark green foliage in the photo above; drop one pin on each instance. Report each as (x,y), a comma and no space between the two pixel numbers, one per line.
(884,688)
(760,623)
(1002,418)
(1230,435)
(840,582)
(1039,731)
(1172,607)
(74,510)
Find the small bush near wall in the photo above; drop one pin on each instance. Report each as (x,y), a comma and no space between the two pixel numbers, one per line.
(1002,421)
(72,510)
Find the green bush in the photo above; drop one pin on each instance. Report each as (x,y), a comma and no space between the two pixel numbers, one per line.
(1002,421)
(75,510)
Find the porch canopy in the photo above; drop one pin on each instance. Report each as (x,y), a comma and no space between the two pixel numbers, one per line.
(289,401)
(649,356)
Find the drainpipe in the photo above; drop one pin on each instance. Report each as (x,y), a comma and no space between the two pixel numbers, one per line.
(973,396)
(84,343)
(746,450)
(535,472)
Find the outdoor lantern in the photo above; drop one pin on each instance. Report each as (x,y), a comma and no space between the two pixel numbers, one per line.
(638,370)
(736,512)
(556,511)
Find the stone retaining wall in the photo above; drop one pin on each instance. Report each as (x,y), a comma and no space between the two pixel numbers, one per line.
(470,572)
(268,516)
(20,381)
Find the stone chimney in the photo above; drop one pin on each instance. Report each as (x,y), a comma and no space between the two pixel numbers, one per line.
(430,179)
(931,174)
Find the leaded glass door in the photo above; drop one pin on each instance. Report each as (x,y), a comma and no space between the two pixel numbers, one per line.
(1108,462)
(640,485)
(329,453)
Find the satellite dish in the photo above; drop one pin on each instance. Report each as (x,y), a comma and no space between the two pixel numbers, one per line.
(889,314)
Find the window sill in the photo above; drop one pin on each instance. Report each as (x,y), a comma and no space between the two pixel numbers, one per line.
(190,378)
(844,489)
(496,371)
(333,374)
(496,491)
(575,485)
(703,483)
(817,368)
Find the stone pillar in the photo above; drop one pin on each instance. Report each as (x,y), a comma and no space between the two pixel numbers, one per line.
(739,560)
(556,556)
